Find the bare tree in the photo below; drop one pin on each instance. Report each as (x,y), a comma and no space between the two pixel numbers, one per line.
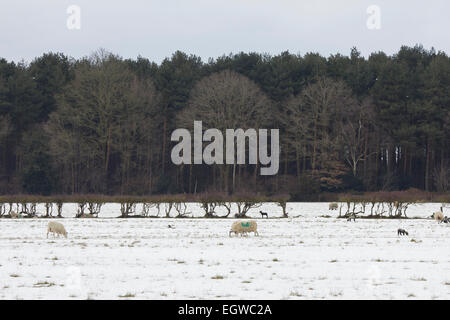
(244,207)
(181,209)
(106,110)
(352,133)
(311,120)
(226,100)
(441,178)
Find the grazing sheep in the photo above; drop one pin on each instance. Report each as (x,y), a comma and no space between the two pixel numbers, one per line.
(264,214)
(56,227)
(242,227)
(402,232)
(14,215)
(352,216)
(333,206)
(438,216)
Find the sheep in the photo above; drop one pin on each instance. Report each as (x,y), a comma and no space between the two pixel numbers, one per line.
(241,227)
(14,215)
(333,206)
(401,232)
(263,214)
(438,216)
(56,227)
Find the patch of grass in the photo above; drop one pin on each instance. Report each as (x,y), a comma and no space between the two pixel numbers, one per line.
(128,295)
(217,277)
(181,262)
(14,275)
(336,294)
(246,281)
(332,261)
(43,284)
(419,279)
(295,294)
(275,260)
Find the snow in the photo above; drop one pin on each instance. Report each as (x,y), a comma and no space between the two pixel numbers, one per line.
(309,257)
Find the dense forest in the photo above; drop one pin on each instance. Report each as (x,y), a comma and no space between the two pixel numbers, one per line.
(102,124)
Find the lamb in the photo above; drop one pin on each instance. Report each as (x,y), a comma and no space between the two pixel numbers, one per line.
(56,228)
(438,216)
(333,206)
(264,214)
(241,227)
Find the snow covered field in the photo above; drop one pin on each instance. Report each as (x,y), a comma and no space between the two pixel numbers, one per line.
(309,257)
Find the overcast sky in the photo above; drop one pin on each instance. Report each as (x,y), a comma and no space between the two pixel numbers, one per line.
(211,28)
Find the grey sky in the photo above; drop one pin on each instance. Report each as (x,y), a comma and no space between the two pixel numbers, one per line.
(211,28)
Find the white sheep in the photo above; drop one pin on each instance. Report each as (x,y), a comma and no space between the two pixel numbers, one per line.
(333,206)
(56,228)
(243,227)
(438,215)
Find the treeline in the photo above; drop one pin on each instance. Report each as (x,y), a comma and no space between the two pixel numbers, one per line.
(102,124)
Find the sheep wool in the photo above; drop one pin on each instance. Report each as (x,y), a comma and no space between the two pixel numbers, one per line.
(56,228)
(333,206)
(438,216)
(243,227)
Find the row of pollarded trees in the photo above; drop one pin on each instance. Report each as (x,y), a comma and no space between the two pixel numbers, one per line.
(29,210)
(129,209)
(384,204)
(152,207)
